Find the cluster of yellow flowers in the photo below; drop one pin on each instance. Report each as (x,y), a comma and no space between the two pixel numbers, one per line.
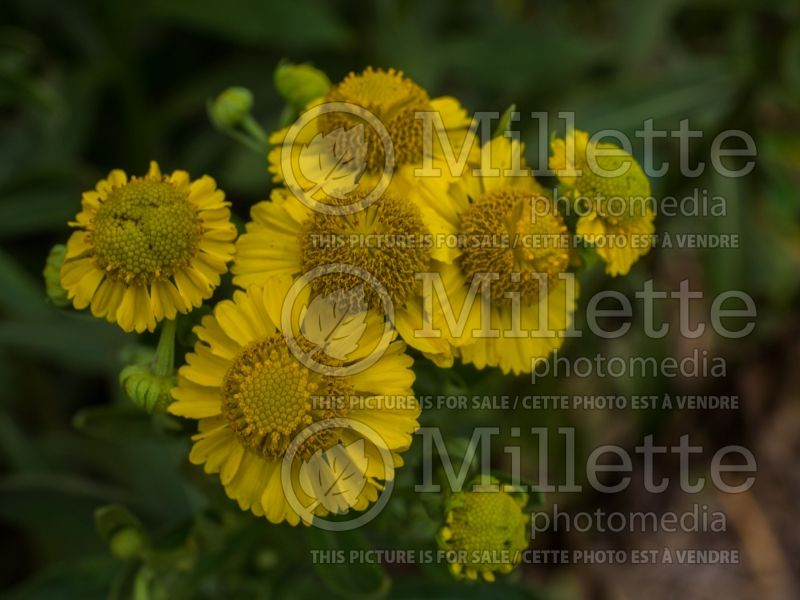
(147,248)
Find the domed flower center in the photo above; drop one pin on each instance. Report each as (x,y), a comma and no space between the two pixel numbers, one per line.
(516,237)
(393,99)
(388,241)
(617,199)
(489,527)
(144,231)
(270,397)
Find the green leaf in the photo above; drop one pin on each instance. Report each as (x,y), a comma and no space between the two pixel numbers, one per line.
(87,579)
(16,448)
(111,422)
(644,24)
(356,579)
(82,343)
(299,24)
(36,209)
(56,510)
(561,54)
(20,295)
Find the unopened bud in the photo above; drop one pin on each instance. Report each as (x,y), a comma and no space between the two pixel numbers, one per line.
(52,276)
(146,389)
(300,84)
(232,106)
(127,543)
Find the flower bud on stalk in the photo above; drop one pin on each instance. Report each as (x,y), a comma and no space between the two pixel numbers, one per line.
(230,113)
(149,384)
(300,84)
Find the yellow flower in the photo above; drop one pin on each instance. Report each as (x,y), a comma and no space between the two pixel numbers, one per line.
(485,531)
(393,100)
(387,241)
(253,397)
(614,196)
(506,228)
(147,247)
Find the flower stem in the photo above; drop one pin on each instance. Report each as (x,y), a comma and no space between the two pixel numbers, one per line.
(246,141)
(164,361)
(255,131)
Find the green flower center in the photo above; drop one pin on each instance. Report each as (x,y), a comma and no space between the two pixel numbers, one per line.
(489,527)
(503,235)
(144,231)
(388,240)
(270,397)
(619,199)
(394,100)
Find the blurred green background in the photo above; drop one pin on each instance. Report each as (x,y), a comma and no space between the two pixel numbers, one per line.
(86,86)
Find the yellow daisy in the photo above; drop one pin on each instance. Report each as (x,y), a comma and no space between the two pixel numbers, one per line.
(388,241)
(253,397)
(355,141)
(510,233)
(485,531)
(147,247)
(613,196)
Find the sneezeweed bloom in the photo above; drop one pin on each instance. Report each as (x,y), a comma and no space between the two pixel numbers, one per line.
(345,139)
(388,241)
(147,248)
(253,397)
(510,270)
(616,211)
(485,531)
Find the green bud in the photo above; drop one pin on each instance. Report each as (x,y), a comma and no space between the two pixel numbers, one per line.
(52,276)
(122,531)
(232,106)
(300,84)
(127,543)
(490,520)
(146,389)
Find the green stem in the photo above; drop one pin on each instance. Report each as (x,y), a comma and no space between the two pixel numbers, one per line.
(252,128)
(164,361)
(141,583)
(246,140)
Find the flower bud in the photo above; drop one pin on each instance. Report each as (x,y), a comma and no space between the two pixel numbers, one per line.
(122,531)
(52,276)
(127,543)
(232,106)
(300,84)
(488,522)
(147,390)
